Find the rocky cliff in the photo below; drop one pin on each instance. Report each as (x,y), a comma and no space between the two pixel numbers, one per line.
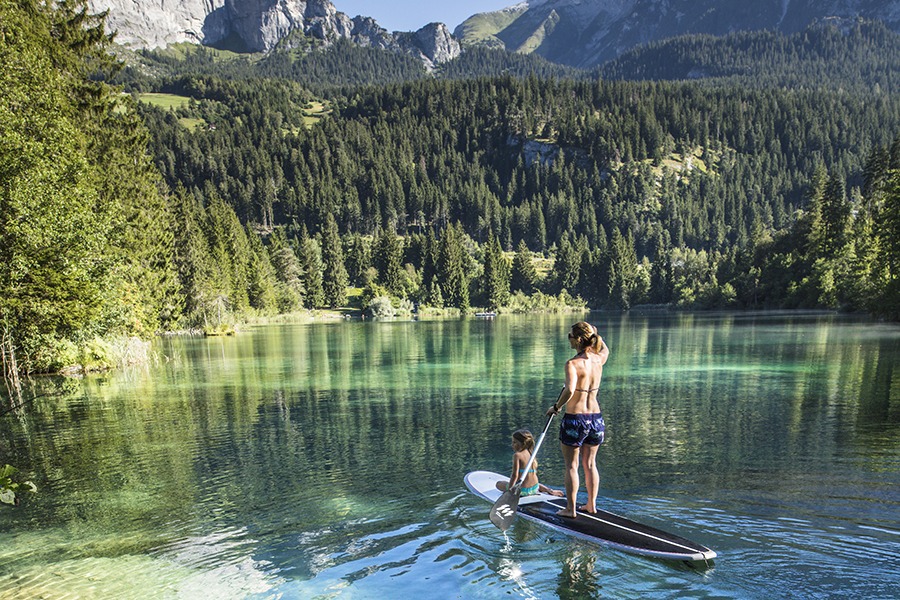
(259,25)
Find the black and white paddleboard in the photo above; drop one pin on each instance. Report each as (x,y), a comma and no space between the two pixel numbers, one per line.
(602,527)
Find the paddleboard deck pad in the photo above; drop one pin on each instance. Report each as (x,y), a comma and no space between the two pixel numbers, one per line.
(602,527)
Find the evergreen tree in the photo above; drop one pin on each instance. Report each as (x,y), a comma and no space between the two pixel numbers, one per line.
(262,290)
(622,265)
(496,275)
(231,253)
(386,256)
(452,264)
(889,238)
(311,265)
(357,260)
(335,278)
(835,215)
(289,288)
(524,273)
(197,272)
(566,266)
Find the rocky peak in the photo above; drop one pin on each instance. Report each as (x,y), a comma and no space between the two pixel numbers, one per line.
(259,25)
(435,44)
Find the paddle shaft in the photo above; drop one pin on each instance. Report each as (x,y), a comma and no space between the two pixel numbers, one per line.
(503,512)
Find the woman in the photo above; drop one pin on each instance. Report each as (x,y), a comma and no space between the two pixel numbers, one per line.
(582,429)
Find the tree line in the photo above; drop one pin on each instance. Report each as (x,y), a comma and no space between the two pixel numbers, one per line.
(837,54)
(124,219)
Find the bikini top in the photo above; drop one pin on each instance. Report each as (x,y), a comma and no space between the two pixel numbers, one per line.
(588,391)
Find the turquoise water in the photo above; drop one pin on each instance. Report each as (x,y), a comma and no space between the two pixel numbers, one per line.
(327,461)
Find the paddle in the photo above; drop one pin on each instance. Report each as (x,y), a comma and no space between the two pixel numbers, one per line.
(503,512)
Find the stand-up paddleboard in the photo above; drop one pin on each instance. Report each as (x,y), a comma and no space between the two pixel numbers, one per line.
(601,527)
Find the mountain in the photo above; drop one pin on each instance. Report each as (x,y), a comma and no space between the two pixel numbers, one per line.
(587,33)
(262,25)
(834,53)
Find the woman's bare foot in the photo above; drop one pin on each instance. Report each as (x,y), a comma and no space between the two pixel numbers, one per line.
(588,509)
(565,513)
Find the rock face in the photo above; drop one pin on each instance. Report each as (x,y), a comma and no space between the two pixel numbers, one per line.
(585,33)
(433,44)
(155,23)
(259,25)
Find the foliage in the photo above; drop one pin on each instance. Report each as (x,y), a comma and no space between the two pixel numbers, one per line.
(380,307)
(834,54)
(9,487)
(117,220)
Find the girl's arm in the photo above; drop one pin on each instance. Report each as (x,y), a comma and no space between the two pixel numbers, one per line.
(544,489)
(517,464)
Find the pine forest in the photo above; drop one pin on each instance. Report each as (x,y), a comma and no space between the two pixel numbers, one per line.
(157,191)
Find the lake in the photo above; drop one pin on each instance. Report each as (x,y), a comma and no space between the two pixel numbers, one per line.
(327,461)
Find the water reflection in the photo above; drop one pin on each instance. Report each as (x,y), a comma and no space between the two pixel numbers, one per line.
(328,459)
(577,580)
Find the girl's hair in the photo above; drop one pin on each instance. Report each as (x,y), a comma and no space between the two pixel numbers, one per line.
(524,437)
(585,336)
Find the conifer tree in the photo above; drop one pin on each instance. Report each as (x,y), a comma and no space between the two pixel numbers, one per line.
(311,265)
(197,272)
(357,259)
(496,275)
(263,280)
(622,265)
(334,284)
(524,273)
(230,251)
(290,288)
(889,237)
(566,266)
(835,215)
(386,256)
(452,268)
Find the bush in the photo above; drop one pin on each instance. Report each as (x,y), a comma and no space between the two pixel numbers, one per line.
(10,487)
(48,354)
(380,308)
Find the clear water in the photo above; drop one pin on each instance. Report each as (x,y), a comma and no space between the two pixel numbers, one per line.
(327,461)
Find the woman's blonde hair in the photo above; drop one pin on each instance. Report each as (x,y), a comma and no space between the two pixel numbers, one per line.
(585,336)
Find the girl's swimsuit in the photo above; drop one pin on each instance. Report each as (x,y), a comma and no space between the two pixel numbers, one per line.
(531,491)
(577,430)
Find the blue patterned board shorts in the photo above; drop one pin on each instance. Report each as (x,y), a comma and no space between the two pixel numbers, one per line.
(577,430)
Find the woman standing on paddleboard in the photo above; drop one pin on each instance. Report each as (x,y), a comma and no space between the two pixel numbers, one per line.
(582,429)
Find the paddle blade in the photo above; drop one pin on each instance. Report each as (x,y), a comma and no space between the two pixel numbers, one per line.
(503,513)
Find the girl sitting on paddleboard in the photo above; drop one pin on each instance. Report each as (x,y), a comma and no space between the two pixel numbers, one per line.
(523,444)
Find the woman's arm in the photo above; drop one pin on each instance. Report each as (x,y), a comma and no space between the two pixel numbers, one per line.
(604,352)
(567,392)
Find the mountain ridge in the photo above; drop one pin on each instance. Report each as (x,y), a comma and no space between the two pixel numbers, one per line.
(260,25)
(587,33)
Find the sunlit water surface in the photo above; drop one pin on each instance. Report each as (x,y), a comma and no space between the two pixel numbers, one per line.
(327,461)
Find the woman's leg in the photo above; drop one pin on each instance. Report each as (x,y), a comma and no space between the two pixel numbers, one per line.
(570,456)
(591,476)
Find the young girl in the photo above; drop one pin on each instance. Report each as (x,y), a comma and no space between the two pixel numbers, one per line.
(522,444)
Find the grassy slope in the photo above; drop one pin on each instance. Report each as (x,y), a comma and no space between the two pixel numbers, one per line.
(484,27)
